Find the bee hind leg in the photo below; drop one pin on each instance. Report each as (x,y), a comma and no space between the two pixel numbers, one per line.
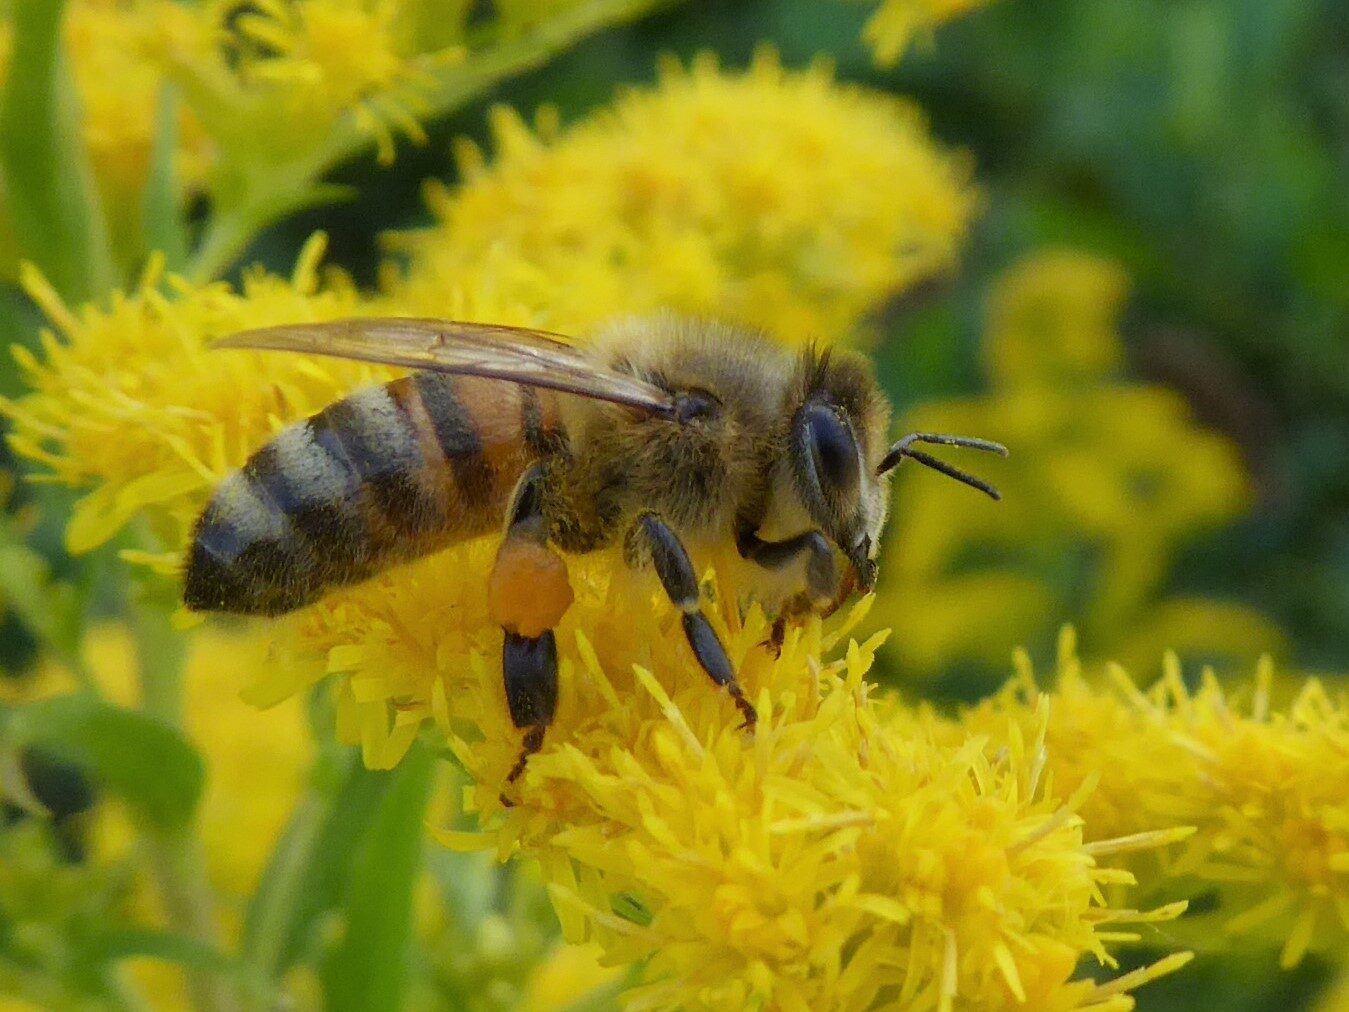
(527,595)
(651,539)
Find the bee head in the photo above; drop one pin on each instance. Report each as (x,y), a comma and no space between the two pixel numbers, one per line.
(837,445)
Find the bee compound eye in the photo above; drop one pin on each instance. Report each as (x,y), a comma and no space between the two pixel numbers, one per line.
(833,450)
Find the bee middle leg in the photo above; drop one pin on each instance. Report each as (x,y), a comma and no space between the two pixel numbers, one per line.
(651,539)
(527,594)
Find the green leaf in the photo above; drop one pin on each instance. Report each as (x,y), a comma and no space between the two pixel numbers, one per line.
(53,611)
(308,869)
(138,757)
(371,967)
(49,188)
(173,948)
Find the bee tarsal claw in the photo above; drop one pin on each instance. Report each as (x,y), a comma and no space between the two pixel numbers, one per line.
(745,707)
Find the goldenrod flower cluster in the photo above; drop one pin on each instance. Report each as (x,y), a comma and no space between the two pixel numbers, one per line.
(248,106)
(1109,481)
(1266,787)
(742,870)
(129,404)
(283,73)
(834,861)
(780,200)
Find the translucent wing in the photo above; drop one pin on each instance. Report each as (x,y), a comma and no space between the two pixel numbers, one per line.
(515,354)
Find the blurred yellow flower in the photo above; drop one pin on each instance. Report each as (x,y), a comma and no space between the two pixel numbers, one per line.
(1267,789)
(1105,484)
(118,81)
(256,764)
(278,75)
(256,761)
(777,199)
(897,24)
(565,976)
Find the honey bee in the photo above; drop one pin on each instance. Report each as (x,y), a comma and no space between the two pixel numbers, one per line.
(660,436)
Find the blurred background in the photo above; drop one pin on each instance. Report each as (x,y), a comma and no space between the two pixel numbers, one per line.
(1152,309)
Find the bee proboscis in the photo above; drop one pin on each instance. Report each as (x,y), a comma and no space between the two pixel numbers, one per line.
(659,434)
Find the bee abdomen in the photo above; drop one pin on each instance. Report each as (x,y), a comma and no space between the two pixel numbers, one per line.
(386,475)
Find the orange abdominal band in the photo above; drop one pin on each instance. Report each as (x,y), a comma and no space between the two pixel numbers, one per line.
(528,592)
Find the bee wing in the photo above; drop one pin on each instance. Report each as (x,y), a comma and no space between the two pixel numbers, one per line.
(515,354)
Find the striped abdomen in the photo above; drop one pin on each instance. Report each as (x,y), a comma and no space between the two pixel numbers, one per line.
(389,474)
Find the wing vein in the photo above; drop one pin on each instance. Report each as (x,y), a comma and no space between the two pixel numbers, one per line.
(511,354)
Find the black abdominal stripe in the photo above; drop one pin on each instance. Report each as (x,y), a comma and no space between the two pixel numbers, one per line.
(332,499)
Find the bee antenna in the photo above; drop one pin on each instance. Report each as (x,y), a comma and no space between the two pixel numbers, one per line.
(904,448)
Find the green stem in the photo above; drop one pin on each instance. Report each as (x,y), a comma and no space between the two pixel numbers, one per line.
(49,187)
(162,653)
(265,197)
(276,899)
(176,856)
(180,869)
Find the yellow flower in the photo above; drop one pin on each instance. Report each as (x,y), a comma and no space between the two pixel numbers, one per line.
(741,870)
(129,401)
(1266,789)
(277,76)
(1276,805)
(776,199)
(897,24)
(835,860)
(1053,322)
(1147,779)
(1105,483)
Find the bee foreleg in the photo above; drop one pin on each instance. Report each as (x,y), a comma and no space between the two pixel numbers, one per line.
(821,566)
(527,595)
(651,539)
